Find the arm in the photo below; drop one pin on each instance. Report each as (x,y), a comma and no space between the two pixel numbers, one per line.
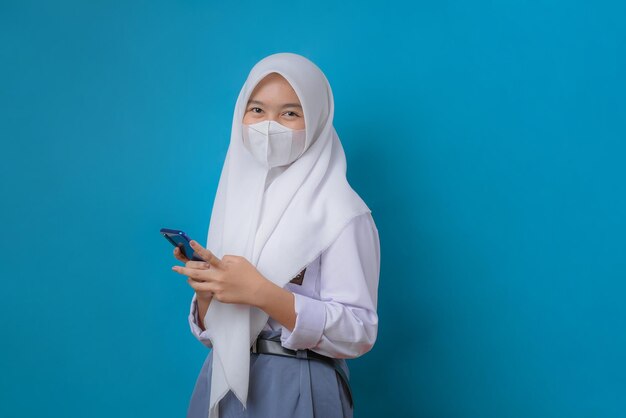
(277,303)
(195,323)
(203,306)
(343,323)
(235,280)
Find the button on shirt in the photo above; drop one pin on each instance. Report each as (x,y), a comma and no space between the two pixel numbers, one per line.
(336,302)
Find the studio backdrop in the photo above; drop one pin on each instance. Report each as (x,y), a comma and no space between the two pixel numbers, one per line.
(488,138)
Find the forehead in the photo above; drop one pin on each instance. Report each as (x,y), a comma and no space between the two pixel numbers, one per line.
(273,86)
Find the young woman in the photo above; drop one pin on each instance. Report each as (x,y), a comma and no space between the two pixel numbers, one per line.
(288,288)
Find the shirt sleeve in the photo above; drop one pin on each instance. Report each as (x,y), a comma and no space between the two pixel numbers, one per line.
(343,323)
(194,323)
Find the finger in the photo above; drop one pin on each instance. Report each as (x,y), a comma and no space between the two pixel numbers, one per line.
(206,254)
(197,274)
(179,255)
(201,265)
(200,286)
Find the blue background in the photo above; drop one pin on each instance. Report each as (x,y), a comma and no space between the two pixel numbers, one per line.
(486,137)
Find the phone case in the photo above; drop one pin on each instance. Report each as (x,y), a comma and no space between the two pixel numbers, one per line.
(181,240)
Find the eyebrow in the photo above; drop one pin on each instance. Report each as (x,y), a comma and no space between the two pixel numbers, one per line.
(284,106)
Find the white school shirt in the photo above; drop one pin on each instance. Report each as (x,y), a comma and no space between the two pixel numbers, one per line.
(336,302)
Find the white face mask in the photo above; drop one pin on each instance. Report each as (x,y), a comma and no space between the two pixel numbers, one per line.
(273,144)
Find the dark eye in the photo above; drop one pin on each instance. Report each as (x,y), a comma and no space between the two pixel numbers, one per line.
(257,108)
(291,114)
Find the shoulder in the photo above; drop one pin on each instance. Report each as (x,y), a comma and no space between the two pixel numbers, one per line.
(354,256)
(360,231)
(360,225)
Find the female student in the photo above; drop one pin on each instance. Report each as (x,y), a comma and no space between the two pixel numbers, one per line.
(288,288)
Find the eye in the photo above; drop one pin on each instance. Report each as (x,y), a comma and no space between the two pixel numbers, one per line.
(291,114)
(252,109)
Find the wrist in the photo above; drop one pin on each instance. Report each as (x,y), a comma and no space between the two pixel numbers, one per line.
(265,294)
(204,298)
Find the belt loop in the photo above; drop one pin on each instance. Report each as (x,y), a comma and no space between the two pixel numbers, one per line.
(302,354)
(254,346)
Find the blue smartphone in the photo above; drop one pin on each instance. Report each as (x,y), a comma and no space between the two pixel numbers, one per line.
(179,239)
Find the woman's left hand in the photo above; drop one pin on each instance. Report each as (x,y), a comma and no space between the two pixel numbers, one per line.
(232,280)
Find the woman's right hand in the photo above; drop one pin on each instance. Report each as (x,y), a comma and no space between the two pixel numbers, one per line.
(203,296)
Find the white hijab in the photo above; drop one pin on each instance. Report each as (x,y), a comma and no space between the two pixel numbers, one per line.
(279,229)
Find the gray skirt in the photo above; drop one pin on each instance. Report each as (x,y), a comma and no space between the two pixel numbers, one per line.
(280,387)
